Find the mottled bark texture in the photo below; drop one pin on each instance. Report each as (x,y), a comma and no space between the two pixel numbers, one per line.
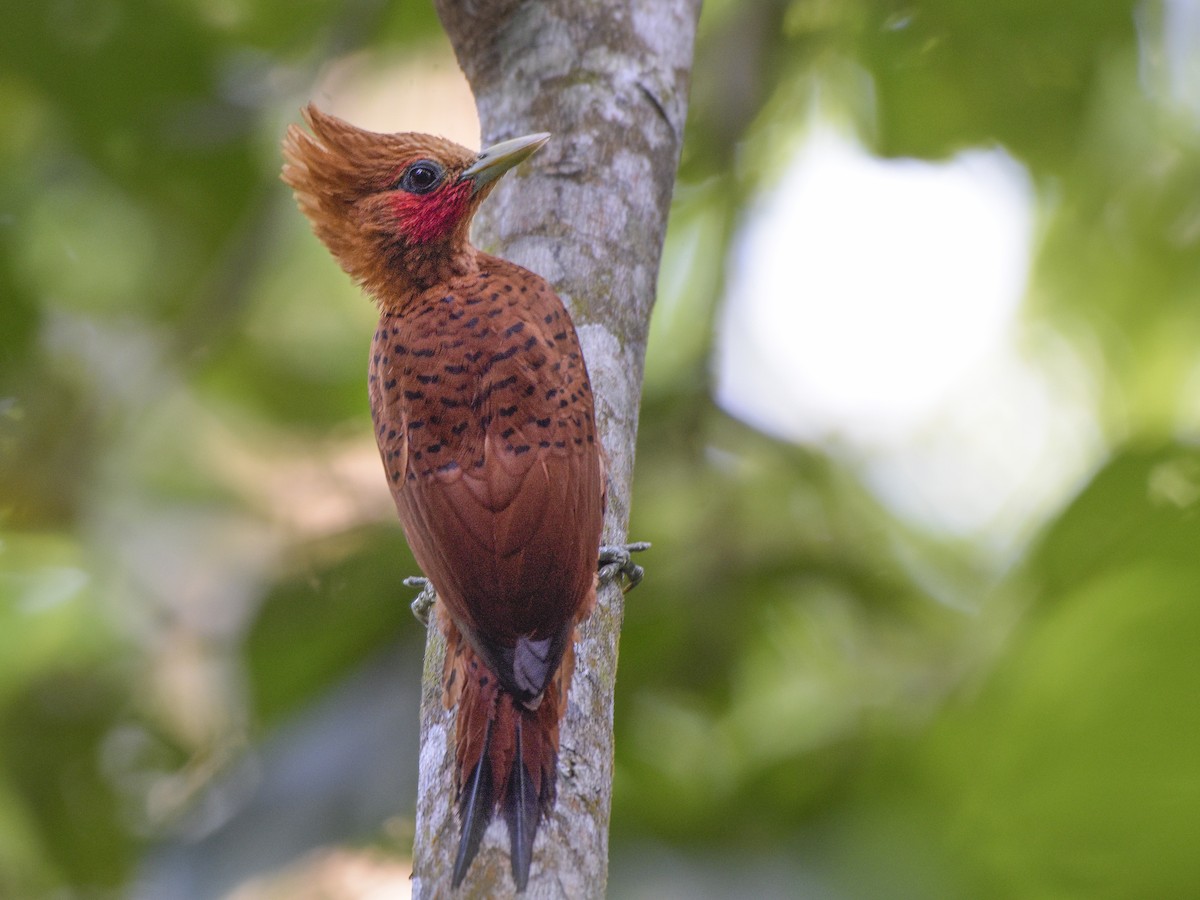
(610,81)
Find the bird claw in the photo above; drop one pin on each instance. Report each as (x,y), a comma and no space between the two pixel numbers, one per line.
(424,600)
(616,562)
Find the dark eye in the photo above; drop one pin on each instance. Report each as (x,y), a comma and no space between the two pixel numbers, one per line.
(421,177)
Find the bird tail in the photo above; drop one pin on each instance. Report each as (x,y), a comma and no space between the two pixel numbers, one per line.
(506,755)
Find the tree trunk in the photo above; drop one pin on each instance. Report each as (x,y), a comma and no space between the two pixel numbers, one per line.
(588,213)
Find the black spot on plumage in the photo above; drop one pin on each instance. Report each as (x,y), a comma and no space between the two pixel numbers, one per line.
(515,328)
(507,433)
(471,322)
(503,383)
(492,313)
(503,355)
(460,427)
(543,423)
(524,448)
(543,444)
(414,395)
(390,384)
(428,351)
(450,403)
(454,370)
(399,349)
(448,467)
(548,319)
(560,336)
(434,448)
(428,379)
(508,410)
(415,424)
(530,342)
(392,434)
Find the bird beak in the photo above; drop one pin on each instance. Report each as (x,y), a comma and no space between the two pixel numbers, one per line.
(499,158)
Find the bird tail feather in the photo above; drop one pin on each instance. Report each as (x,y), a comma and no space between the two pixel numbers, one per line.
(506,757)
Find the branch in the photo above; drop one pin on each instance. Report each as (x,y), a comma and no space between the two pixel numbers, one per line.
(610,81)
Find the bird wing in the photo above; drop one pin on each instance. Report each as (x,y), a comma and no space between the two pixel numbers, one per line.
(510,544)
(486,425)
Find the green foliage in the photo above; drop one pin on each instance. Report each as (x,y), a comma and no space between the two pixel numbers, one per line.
(317,626)
(196,549)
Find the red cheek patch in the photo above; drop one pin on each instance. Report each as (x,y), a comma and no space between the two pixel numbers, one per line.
(424,218)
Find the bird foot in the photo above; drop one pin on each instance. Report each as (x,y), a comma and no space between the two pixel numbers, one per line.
(616,564)
(425,600)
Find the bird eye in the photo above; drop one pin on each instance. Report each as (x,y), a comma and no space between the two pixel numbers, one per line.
(421,177)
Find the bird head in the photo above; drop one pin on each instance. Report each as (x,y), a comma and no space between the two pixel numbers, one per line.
(393,209)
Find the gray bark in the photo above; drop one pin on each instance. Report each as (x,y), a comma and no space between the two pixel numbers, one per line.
(588,213)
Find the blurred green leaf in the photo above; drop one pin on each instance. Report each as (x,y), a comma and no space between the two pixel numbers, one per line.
(59,693)
(1142,508)
(317,627)
(950,74)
